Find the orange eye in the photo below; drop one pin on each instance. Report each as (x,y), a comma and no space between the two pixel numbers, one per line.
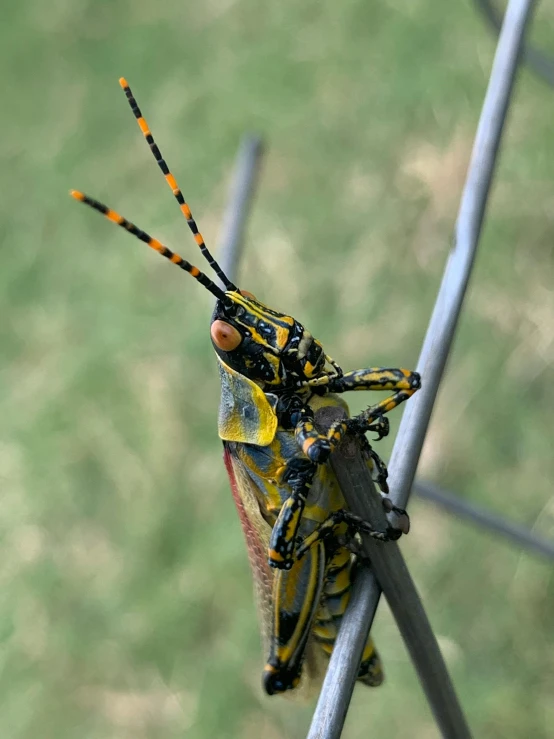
(225,336)
(247,294)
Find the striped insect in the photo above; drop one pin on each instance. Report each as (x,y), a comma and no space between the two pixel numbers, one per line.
(301,538)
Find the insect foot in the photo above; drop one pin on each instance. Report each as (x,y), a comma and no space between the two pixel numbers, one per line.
(298,471)
(276,680)
(402,520)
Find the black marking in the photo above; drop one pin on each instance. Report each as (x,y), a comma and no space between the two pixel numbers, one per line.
(178,196)
(147,239)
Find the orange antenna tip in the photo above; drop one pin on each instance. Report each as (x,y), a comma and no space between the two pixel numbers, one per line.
(123,82)
(77,195)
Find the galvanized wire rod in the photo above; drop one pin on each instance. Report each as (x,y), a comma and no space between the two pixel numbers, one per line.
(538,61)
(241,192)
(388,565)
(440,334)
(354,476)
(387,562)
(512,532)
(335,694)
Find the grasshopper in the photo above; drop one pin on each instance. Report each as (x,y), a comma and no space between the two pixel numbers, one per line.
(301,537)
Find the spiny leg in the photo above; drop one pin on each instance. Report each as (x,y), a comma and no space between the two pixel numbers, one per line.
(365,420)
(355,524)
(404,382)
(318,447)
(299,475)
(380,474)
(373,378)
(378,469)
(172,182)
(315,445)
(376,378)
(335,365)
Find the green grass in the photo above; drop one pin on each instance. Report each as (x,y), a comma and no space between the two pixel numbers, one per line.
(126,604)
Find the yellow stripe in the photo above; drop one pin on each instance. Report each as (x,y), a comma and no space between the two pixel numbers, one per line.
(199,240)
(325,632)
(258,311)
(176,259)
(286,652)
(342,555)
(368,651)
(337,609)
(123,82)
(341,582)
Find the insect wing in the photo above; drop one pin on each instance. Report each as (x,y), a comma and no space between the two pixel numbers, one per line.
(257,533)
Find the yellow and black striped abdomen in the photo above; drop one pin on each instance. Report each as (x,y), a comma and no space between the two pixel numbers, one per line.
(334,599)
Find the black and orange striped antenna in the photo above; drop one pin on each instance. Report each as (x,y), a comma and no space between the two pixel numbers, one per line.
(172,182)
(111,215)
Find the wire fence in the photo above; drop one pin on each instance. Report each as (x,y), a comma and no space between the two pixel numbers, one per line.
(389,572)
(539,62)
(513,533)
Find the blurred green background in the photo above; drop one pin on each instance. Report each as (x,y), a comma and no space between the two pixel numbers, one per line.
(126,606)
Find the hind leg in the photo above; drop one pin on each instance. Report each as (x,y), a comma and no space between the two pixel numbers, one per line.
(295,599)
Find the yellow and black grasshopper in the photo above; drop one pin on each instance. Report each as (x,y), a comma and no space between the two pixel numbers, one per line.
(275,375)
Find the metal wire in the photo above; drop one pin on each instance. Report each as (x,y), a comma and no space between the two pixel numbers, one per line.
(539,62)
(241,191)
(392,573)
(387,564)
(242,188)
(330,712)
(463,509)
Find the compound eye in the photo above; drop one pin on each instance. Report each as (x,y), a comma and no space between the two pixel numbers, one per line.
(247,294)
(225,336)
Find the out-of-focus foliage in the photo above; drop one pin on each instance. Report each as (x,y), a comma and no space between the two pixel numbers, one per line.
(126,604)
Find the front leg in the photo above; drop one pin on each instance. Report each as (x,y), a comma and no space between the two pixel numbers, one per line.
(376,378)
(299,475)
(404,382)
(365,421)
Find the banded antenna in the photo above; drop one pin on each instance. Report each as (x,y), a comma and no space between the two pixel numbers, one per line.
(111,215)
(172,182)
